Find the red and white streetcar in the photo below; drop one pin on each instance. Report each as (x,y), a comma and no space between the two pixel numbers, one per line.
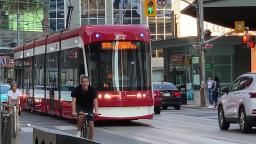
(116,58)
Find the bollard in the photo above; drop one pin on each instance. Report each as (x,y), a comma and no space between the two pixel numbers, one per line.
(8,124)
(6,132)
(50,136)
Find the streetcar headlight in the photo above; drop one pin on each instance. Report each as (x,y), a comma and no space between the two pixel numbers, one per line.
(139,95)
(100,96)
(107,96)
(37,100)
(97,35)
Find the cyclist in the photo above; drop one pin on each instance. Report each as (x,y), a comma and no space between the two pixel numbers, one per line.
(14,95)
(84,100)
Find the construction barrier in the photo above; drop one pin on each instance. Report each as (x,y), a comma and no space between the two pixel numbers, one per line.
(50,136)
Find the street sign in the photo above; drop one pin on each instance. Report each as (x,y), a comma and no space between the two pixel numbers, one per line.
(195,46)
(208,66)
(195,60)
(161,2)
(208,46)
(239,26)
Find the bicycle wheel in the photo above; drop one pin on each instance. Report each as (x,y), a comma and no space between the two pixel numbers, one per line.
(84,131)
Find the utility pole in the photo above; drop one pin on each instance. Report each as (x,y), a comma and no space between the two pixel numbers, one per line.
(201,50)
(18,23)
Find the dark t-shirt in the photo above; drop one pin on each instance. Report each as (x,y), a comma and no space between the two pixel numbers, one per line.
(84,99)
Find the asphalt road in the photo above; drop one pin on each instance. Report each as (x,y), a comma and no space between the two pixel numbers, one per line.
(186,126)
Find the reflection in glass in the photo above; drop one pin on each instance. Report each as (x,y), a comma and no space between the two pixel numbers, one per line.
(135,21)
(101,4)
(60,24)
(52,14)
(53,24)
(60,14)
(39,76)
(93,9)
(130,9)
(160,26)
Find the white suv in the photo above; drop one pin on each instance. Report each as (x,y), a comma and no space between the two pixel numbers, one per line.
(238,104)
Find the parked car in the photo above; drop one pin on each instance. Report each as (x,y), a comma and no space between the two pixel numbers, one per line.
(238,103)
(157,100)
(4,88)
(170,94)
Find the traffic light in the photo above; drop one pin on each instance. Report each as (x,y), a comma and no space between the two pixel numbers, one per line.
(247,41)
(150,7)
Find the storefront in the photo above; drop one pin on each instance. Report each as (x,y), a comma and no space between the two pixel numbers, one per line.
(226,60)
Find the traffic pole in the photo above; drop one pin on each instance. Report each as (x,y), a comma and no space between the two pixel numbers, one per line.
(201,50)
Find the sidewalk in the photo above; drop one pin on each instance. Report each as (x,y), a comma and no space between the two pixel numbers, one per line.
(196,103)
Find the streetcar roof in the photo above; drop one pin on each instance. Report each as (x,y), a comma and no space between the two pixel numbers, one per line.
(87,31)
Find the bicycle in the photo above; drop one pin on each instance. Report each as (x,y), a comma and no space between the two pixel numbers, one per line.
(84,129)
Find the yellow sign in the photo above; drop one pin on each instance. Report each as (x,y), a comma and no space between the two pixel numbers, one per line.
(118,45)
(239,26)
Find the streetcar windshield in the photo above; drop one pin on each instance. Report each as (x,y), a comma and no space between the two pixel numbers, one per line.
(120,65)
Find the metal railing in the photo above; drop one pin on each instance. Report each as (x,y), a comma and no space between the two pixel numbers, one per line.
(9,132)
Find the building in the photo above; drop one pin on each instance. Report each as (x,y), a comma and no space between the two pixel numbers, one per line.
(110,12)
(20,21)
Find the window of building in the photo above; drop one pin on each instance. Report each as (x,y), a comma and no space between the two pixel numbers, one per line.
(126,11)
(161,25)
(160,53)
(29,18)
(57,15)
(221,67)
(93,12)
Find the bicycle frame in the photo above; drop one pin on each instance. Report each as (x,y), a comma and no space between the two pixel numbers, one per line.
(84,129)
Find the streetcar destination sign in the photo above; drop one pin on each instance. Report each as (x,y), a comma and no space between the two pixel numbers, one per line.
(119,45)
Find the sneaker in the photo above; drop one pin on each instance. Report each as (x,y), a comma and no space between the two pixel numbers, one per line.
(78,134)
(210,106)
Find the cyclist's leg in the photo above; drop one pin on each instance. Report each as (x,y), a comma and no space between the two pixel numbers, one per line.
(80,118)
(90,121)
(91,130)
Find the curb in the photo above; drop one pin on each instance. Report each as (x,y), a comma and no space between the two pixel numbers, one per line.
(193,107)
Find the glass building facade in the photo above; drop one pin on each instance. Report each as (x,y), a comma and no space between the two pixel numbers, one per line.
(56,15)
(93,12)
(27,14)
(126,11)
(96,12)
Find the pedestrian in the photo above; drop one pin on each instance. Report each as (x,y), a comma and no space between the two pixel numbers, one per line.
(14,95)
(215,90)
(209,90)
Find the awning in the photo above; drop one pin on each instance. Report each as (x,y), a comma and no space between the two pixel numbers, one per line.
(226,12)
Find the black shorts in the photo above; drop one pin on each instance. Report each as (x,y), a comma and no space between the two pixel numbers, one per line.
(86,110)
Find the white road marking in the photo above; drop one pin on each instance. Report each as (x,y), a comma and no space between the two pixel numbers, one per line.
(64,128)
(27,129)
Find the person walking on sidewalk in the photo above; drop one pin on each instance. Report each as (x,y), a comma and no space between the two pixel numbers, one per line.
(215,90)
(209,89)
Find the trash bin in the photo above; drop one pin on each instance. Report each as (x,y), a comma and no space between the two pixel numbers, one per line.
(182,89)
